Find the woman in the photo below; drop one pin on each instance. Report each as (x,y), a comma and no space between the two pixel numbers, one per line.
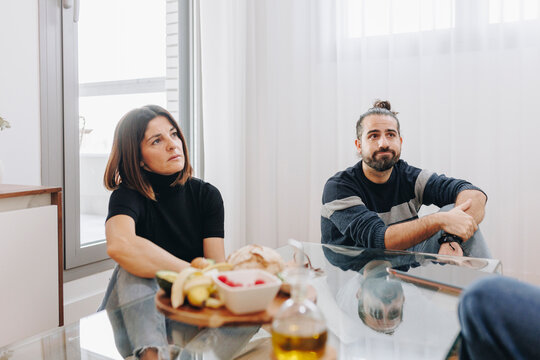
(160,218)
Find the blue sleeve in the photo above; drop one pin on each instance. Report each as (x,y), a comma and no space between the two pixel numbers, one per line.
(441,190)
(345,218)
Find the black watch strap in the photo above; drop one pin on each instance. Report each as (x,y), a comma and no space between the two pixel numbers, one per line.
(446,238)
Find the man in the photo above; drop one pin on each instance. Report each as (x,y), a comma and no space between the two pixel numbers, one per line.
(375,203)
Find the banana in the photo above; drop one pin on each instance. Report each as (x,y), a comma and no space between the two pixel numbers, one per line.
(222,266)
(177,289)
(198,295)
(214,303)
(198,280)
(197,288)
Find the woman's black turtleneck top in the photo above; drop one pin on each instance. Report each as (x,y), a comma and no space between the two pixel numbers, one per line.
(179,220)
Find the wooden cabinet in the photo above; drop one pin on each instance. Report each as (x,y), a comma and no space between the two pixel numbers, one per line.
(31,260)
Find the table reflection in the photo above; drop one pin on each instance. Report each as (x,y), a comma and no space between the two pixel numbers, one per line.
(379,316)
(380,299)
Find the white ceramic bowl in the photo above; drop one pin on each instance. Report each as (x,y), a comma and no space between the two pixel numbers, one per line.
(247,298)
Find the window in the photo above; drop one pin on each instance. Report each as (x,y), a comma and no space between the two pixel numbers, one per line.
(121,66)
(116,55)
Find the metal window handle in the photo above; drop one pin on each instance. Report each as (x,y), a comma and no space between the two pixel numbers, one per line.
(75,4)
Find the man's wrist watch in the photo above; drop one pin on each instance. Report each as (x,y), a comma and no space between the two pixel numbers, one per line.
(447,238)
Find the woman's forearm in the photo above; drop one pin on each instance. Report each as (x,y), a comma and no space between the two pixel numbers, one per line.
(143,258)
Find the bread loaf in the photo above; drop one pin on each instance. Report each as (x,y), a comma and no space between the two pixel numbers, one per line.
(257,257)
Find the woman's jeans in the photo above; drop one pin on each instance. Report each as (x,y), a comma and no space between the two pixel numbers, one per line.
(475,247)
(500,319)
(137,325)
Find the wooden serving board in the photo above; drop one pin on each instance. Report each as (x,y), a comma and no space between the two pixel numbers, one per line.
(207,317)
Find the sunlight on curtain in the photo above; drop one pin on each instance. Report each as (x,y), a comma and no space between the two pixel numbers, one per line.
(285,81)
(397,17)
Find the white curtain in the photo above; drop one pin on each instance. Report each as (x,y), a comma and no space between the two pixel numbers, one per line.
(283,83)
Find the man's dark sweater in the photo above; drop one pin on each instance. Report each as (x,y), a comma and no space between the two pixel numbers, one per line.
(357,212)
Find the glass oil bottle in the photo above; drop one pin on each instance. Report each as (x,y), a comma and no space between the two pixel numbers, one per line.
(299,329)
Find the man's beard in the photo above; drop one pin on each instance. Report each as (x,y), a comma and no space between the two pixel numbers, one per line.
(384,163)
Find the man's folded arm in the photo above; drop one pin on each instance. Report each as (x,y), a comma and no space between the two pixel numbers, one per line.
(442,190)
(407,234)
(366,229)
(478,204)
(456,221)
(363,226)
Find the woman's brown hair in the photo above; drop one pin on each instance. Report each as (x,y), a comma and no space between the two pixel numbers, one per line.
(125,158)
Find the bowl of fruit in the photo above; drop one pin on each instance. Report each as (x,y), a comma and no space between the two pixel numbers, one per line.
(193,285)
(247,290)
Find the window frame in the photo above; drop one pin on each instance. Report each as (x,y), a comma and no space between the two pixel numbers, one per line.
(59,92)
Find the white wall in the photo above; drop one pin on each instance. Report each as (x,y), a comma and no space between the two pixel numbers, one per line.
(20,145)
(82,297)
(20,151)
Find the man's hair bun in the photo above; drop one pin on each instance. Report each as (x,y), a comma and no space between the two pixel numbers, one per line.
(383,104)
(380,107)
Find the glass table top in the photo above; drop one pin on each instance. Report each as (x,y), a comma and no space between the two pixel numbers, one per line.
(369,315)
